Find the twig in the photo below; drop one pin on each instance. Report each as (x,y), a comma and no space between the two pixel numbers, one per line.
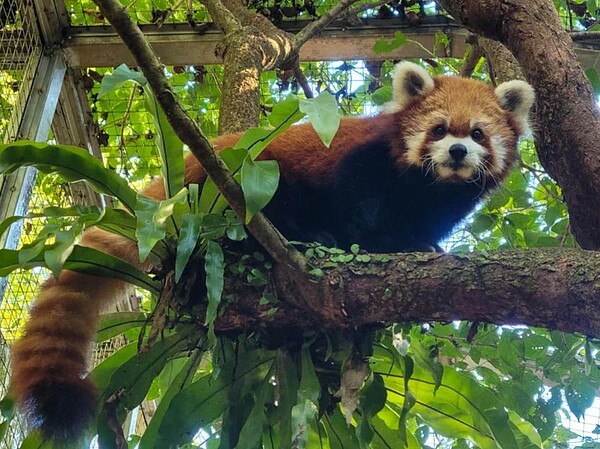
(315,27)
(264,232)
(169,12)
(299,74)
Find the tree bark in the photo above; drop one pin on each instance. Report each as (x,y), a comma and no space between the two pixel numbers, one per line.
(568,120)
(551,288)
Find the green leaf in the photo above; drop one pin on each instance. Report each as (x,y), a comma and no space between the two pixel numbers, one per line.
(460,408)
(71,163)
(35,441)
(133,378)
(287,383)
(205,400)
(188,238)
(259,184)
(339,433)
(252,142)
(372,400)
(152,219)
(382,95)
(580,395)
(384,46)
(210,198)
(170,147)
(424,358)
(57,254)
(8,222)
(214,266)
(84,260)
(122,74)
(251,433)
(181,380)
(283,115)
(324,115)
(104,371)
(594,79)
(113,324)
(305,411)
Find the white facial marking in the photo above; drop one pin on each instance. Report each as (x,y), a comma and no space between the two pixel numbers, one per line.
(442,160)
(414,143)
(500,151)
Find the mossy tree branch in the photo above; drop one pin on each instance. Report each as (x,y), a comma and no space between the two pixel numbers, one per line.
(551,288)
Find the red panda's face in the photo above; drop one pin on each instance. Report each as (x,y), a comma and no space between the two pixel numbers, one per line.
(459,132)
(458,129)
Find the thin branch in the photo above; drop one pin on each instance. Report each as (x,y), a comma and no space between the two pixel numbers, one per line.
(301,78)
(315,27)
(168,13)
(273,242)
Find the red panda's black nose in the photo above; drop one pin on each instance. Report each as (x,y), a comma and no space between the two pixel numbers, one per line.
(458,152)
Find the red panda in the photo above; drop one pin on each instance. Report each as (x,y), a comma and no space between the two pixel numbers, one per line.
(398,181)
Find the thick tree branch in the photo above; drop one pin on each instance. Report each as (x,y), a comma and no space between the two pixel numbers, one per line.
(190,134)
(551,288)
(568,119)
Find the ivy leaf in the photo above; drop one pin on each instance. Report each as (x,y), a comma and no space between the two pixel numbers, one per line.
(122,74)
(385,46)
(382,95)
(580,395)
(324,115)
(259,184)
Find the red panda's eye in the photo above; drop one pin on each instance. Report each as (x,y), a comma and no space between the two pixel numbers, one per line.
(439,131)
(477,134)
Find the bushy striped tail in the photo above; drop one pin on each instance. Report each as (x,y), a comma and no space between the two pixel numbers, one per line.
(50,361)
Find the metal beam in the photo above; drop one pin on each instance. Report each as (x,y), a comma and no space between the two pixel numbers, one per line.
(178,44)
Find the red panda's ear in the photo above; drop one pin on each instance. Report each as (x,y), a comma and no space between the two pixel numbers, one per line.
(517,96)
(409,80)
